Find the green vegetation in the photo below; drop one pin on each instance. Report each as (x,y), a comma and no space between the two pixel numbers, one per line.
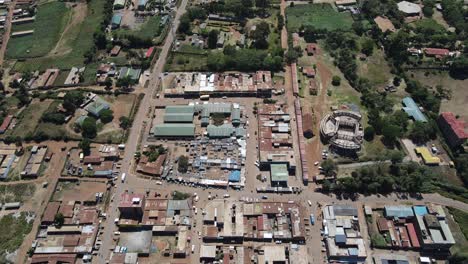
(176,195)
(377,240)
(29,118)
(80,40)
(13,229)
(460,251)
(149,30)
(321,16)
(16,192)
(50,22)
(183,164)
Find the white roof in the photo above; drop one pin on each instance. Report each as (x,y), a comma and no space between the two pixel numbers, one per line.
(408,7)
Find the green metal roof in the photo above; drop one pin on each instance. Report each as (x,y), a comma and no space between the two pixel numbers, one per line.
(180,109)
(97,106)
(279,172)
(174,130)
(178,118)
(225,130)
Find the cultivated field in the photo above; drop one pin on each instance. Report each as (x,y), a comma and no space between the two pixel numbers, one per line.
(317,15)
(50,21)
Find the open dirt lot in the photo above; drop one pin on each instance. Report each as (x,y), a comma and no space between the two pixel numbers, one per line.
(72,191)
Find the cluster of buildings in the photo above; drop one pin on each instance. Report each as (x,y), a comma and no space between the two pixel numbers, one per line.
(260,224)
(342,128)
(275,142)
(99,163)
(215,143)
(7,160)
(74,239)
(93,105)
(35,160)
(195,84)
(144,216)
(417,227)
(110,70)
(342,234)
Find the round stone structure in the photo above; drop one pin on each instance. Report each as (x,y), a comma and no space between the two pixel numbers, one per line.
(342,128)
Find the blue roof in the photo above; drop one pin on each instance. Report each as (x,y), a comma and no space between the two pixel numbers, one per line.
(412,109)
(398,211)
(340,238)
(353,251)
(116,19)
(420,210)
(8,167)
(142,2)
(234,176)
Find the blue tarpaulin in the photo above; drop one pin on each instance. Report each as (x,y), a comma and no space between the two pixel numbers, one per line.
(234,176)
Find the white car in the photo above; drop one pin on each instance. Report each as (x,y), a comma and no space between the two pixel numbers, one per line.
(316,163)
(226,195)
(309,202)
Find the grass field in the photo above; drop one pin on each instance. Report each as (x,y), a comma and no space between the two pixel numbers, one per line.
(459,231)
(186,62)
(149,29)
(317,15)
(79,38)
(48,26)
(29,118)
(428,24)
(375,68)
(13,229)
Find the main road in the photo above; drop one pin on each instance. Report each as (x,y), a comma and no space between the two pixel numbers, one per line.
(134,137)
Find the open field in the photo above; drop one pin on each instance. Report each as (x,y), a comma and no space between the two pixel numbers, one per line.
(48,26)
(13,229)
(29,118)
(428,24)
(375,68)
(459,230)
(149,29)
(79,38)
(179,61)
(16,192)
(459,94)
(317,15)
(78,191)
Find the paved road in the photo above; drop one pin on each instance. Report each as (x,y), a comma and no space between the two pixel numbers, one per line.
(131,147)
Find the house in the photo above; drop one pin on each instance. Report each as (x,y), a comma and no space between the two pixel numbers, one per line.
(311,48)
(343,3)
(412,109)
(309,72)
(409,9)
(116,20)
(119,4)
(134,74)
(307,125)
(437,53)
(5,124)
(115,50)
(453,129)
(95,107)
(384,24)
(131,206)
(279,175)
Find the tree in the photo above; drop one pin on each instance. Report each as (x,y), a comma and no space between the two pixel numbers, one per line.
(358,27)
(367,47)
(85,146)
(336,80)
(329,168)
(125,122)
(291,55)
(260,35)
(125,82)
(391,133)
(396,156)
(108,83)
(106,116)
(184,24)
(369,133)
(59,219)
(262,4)
(89,128)
(213,39)
(422,132)
(183,164)
(72,100)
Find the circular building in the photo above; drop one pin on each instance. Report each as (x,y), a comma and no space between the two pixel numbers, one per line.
(343,130)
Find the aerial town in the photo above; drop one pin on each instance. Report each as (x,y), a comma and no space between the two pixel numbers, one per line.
(234,131)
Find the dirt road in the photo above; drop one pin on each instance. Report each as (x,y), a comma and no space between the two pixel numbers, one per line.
(7,32)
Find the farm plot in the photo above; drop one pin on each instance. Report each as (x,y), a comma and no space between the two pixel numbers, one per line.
(48,26)
(321,16)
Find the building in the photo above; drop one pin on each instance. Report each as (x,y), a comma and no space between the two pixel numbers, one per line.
(154,168)
(433,230)
(342,128)
(119,4)
(194,84)
(436,52)
(173,130)
(116,20)
(133,74)
(279,175)
(309,72)
(5,124)
(384,24)
(307,125)
(453,129)
(142,4)
(426,156)
(96,106)
(412,109)
(409,9)
(131,206)
(343,239)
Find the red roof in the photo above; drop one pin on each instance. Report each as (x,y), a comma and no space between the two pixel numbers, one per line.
(50,212)
(436,51)
(132,200)
(311,47)
(458,126)
(412,235)
(149,52)
(5,124)
(92,159)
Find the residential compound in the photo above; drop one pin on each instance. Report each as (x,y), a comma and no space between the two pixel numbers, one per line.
(455,130)
(258,223)
(417,227)
(342,234)
(195,84)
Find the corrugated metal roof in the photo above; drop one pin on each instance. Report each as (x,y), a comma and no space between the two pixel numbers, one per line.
(344,210)
(178,118)
(279,172)
(179,109)
(225,130)
(174,130)
(412,109)
(398,211)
